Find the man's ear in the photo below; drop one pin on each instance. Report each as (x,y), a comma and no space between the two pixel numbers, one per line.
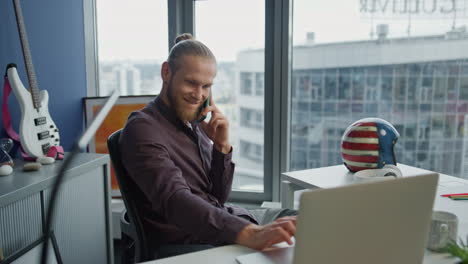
(165,72)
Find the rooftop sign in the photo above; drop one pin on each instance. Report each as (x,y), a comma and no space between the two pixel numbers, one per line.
(424,9)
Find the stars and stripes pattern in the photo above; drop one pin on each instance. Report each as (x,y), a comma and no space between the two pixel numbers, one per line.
(360,146)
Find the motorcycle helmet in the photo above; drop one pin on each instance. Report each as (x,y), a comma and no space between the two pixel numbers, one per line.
(369,144)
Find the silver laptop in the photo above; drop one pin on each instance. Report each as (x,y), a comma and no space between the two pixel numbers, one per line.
(379,222)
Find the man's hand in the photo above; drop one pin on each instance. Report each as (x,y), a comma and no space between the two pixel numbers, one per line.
(217,128)
(262,237)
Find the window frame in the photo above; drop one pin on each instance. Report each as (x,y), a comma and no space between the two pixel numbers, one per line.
(91,47)
(278,17)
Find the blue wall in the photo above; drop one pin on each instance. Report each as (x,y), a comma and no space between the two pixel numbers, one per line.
(56,36)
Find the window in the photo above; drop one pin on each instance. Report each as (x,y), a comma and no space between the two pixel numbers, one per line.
(316,93)
(246,83)
(239,41)
(372,68)
(372,79)
(251,150)
(251,118)
(358,84)
(132,44)
(259,83)
(251,83)
(330,84)
(344,84)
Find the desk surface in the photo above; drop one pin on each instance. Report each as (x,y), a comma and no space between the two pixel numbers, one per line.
(228,254)
(336,176)
(323,178)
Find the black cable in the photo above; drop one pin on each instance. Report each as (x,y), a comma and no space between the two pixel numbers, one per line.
(53,199)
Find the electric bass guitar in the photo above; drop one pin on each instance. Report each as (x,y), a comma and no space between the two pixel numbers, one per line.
(38,131)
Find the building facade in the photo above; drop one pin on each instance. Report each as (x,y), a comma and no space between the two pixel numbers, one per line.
(419,84)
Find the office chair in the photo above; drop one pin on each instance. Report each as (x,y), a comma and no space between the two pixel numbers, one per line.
(133,236)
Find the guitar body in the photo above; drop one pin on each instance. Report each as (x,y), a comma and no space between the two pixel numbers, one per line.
(38,131)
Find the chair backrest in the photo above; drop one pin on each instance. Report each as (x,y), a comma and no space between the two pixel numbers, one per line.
(129,190)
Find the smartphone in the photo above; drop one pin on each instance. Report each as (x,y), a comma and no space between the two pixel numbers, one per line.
(205,105)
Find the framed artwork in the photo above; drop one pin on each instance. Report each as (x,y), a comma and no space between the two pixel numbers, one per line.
(32,252)
(114,121)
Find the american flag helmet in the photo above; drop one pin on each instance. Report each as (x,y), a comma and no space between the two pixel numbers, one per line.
(368,144)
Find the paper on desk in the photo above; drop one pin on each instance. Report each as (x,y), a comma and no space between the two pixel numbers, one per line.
(452,183)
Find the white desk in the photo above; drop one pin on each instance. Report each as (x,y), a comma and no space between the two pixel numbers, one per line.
(336,176)
(228,254)
(219,255)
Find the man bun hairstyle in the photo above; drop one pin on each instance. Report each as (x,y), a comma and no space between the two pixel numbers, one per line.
(183,36)
(187,45)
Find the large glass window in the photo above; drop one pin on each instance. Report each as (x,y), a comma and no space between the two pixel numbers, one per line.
(235,32)
(132,44)
(408,67)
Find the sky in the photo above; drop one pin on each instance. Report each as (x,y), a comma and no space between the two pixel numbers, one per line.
(137,29)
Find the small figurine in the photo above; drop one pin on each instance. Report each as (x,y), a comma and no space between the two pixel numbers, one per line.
(6,162)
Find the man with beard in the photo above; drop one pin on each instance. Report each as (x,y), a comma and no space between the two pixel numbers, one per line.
(183,166)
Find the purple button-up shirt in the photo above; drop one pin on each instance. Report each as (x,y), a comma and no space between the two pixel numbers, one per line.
(184,180)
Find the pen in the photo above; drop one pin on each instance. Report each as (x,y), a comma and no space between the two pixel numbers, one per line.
(453,194)
(457,199)
(458,196)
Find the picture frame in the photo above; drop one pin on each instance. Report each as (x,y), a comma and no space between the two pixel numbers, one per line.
(114,121)
(32,252)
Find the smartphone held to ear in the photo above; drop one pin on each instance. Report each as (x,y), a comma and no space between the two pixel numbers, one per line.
(205,105)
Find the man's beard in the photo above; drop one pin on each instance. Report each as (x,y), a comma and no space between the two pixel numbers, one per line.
(176,105)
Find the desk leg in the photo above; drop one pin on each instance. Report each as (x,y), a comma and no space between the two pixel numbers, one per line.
(287,194)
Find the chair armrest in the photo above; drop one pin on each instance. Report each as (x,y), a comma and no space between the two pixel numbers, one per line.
(126,227)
